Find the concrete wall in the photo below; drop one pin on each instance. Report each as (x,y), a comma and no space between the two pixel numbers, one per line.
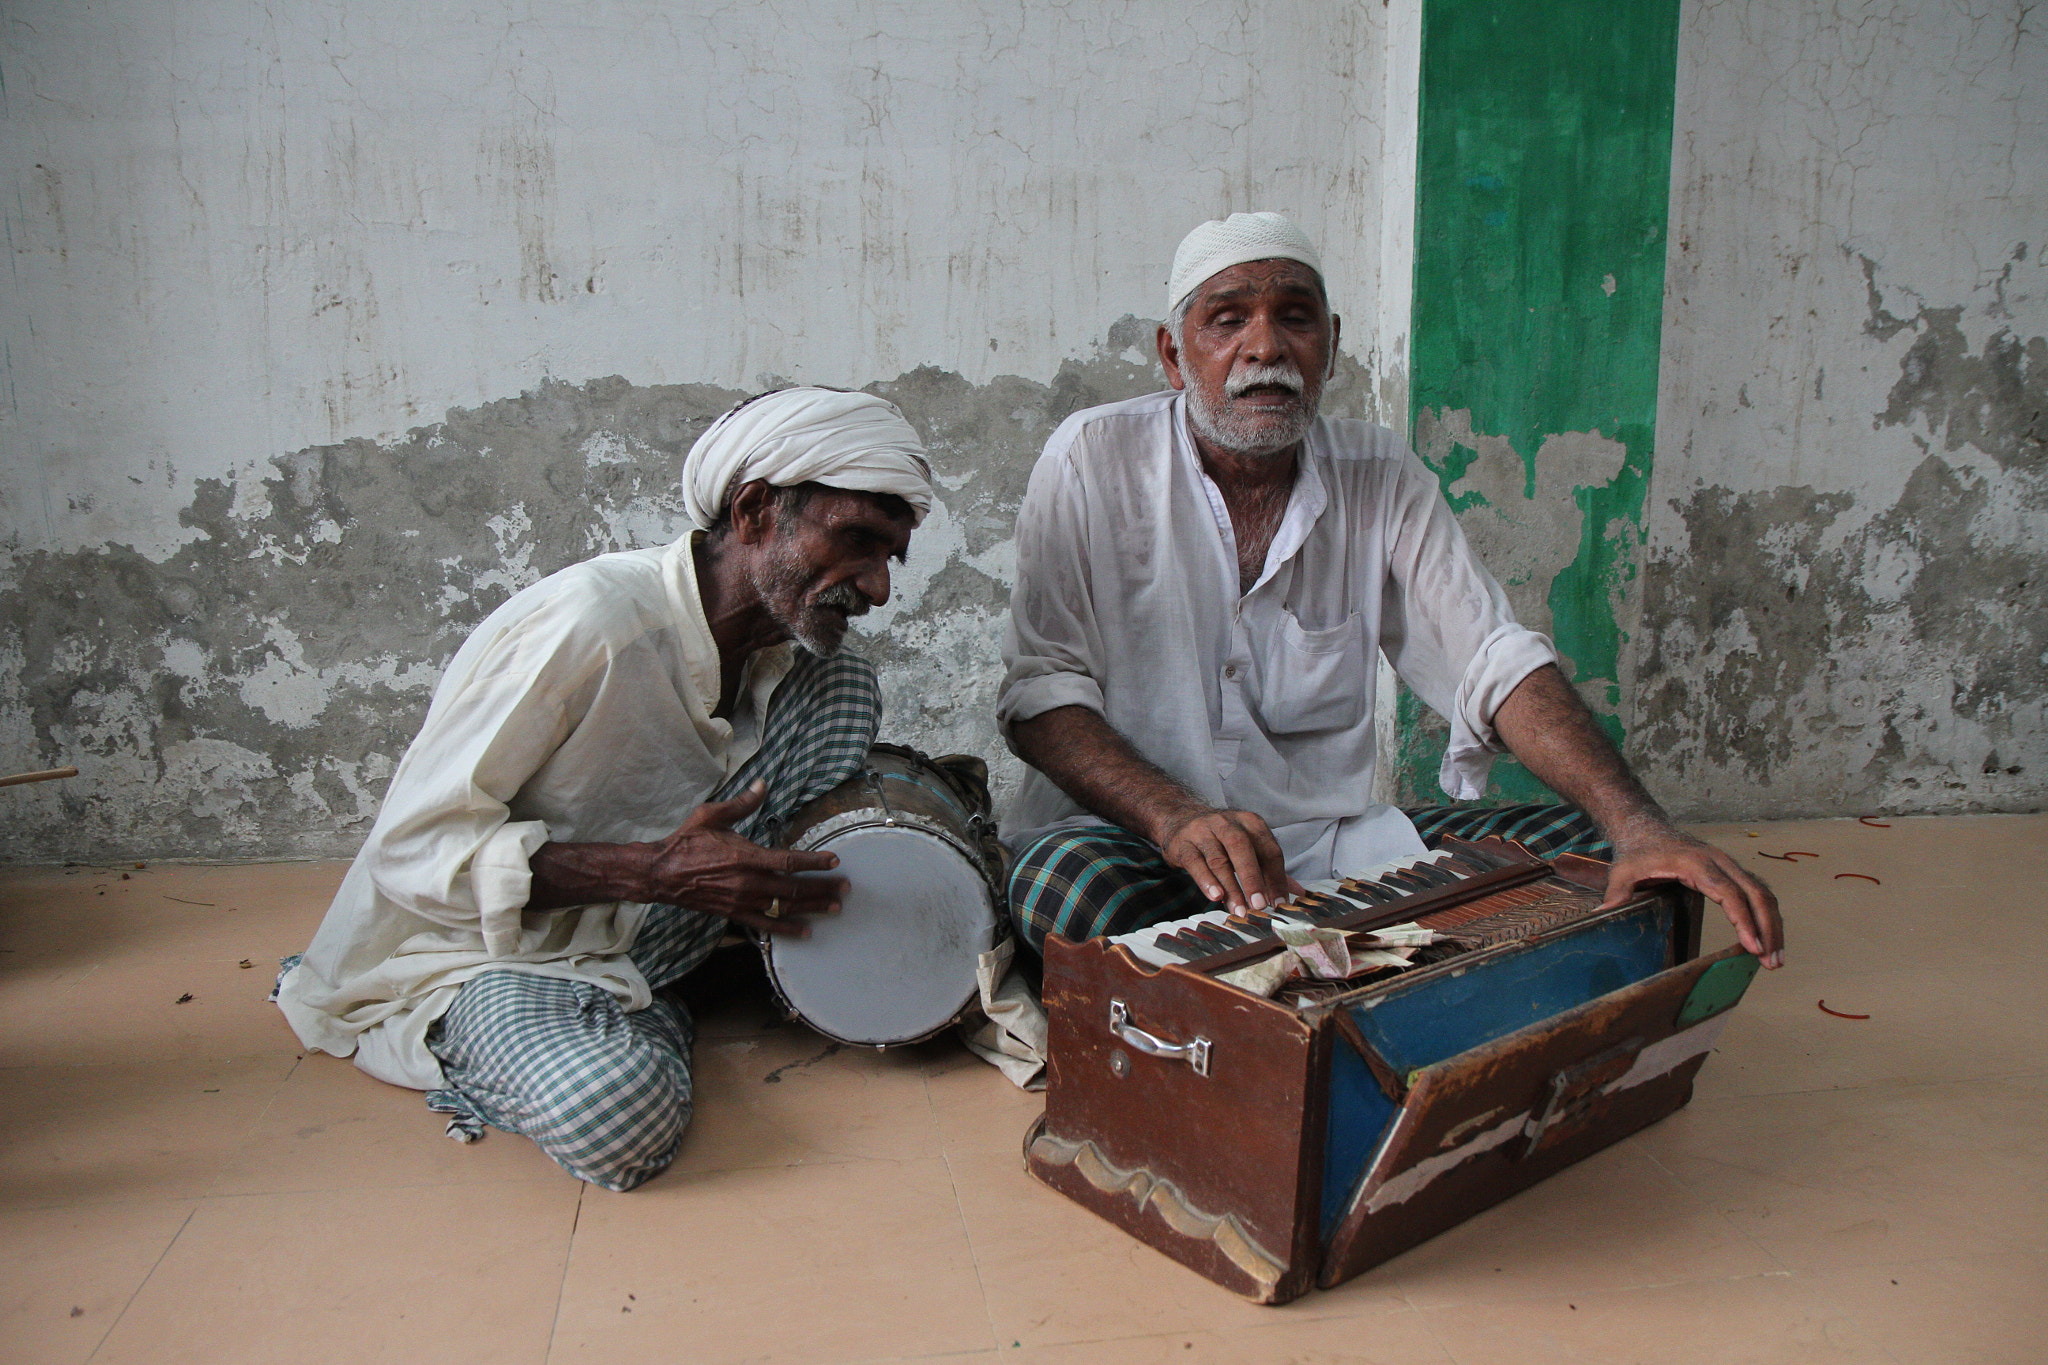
(1842,607)
(328,326)
(1542,173)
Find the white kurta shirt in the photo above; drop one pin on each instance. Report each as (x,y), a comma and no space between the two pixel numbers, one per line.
(1127,602)
(580,710)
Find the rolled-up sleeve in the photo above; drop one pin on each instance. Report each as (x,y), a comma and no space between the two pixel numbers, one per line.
(1052,648)
(1448,630)
(446,846)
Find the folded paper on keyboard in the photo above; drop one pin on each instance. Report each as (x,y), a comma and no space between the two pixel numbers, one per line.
(1320,953)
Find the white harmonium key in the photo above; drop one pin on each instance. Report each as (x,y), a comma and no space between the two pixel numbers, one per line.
(1143,944)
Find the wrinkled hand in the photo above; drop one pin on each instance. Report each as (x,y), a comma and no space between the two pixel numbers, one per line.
(705,866)
(1666,854)
(1232,855)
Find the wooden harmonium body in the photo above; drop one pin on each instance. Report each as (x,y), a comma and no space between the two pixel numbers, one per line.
(1275,1143)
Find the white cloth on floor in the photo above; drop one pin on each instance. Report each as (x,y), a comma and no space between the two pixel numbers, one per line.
(845,440)
(1127,602)
(580,710)
(1010,1034)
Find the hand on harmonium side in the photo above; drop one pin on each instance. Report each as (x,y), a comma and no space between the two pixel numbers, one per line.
(1232,856)
(1664,853)
(705,866)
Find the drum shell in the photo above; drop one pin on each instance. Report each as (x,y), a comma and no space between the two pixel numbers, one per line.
(945,800)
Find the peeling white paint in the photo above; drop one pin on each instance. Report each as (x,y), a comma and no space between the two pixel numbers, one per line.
(288,226)
(1524,540)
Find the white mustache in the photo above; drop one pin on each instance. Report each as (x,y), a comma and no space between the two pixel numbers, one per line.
(1258,376)
(846,598)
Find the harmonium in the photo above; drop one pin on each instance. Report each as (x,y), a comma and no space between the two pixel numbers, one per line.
(1271,1142)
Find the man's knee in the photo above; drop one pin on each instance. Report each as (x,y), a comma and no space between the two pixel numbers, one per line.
(604,1093)
(625,1124)
(1094,880)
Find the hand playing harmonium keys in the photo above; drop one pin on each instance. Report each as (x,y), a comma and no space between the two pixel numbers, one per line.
(1393,1051)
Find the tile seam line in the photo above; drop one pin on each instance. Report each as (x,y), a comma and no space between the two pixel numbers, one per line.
(1880,1086)
(1588,1293)
(960,1214)
(242,1139)
(1275,1319)
(227,1195)
(562,1281)
(101,1344)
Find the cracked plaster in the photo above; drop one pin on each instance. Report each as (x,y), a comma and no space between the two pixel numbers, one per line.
(254,690)
(1848,532)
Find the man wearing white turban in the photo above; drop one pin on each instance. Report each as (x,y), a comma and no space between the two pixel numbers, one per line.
(1206,579)
(593,798)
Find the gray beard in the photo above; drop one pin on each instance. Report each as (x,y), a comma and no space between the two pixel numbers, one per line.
(815,630)
(1243,434)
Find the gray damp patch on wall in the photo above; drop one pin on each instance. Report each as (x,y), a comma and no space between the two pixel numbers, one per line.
(250,695)
(1809,656)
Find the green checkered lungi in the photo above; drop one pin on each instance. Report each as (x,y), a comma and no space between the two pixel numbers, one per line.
(604,1092)
(1092,880)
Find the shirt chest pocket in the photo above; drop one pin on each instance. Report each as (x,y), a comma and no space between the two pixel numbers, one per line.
(1314,680)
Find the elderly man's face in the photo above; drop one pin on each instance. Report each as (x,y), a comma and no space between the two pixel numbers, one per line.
(1252,355)
(828,561)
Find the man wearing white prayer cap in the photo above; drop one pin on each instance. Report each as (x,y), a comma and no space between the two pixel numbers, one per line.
(586,809)
(1206,580)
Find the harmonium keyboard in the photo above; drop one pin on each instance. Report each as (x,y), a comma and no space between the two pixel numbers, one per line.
(1276,1142)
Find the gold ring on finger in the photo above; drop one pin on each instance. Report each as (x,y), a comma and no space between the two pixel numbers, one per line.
(775,908)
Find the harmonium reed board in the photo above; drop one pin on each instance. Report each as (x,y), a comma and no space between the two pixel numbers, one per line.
(1274,1144)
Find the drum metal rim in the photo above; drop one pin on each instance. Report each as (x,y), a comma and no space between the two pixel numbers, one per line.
(865,818)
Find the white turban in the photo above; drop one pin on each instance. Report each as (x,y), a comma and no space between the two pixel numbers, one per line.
(1222,243)
(854,441)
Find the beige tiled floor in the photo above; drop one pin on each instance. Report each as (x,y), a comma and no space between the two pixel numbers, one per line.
(178,1184)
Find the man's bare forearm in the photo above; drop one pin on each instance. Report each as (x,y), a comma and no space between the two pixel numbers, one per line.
(1089,760)
(703,866)
(1551,731)
(1231,854)
(587,874)
(1555,736)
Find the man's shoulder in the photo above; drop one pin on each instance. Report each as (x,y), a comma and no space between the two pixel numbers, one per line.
(1130,418)
(1351,440)
(608,596)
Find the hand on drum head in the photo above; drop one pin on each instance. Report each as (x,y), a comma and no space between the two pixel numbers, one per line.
(705,866)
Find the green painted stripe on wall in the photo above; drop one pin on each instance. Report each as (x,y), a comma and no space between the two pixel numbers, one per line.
(1543,175)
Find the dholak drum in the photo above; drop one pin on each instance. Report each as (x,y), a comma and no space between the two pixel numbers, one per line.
(918,849)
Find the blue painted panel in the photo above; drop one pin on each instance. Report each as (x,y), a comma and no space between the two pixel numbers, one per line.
(1424,1024)
(1359,1115)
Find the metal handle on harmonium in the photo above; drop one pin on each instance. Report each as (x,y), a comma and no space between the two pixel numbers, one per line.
(1195,1052)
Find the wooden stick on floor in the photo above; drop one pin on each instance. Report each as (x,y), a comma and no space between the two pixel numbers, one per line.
(47,775)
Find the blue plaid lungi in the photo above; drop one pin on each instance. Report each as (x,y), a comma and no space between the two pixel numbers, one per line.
(1092,880)
(604,1092)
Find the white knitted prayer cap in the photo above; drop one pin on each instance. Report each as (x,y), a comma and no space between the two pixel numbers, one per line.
(1222,243)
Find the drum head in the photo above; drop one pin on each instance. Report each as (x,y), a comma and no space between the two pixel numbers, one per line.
(897,964)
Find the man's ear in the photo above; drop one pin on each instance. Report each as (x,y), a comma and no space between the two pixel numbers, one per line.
(1169,357)
(1336,335)
(753,512)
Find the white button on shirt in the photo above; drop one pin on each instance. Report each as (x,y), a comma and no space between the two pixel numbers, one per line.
(1127,602)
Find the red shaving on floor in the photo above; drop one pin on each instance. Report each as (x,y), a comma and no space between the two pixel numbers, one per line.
(1873,822)
(1837,1013)
(1790,855)
(1863,875)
